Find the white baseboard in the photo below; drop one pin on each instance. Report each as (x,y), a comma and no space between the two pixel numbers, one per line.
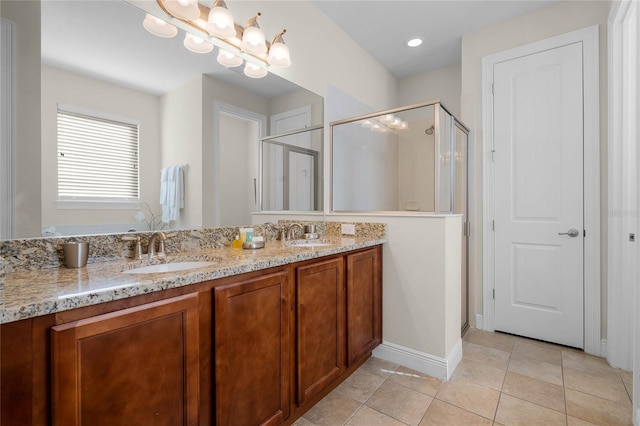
(441,368)
(479,322)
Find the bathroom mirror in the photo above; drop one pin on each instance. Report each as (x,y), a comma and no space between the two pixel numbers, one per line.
(96,56)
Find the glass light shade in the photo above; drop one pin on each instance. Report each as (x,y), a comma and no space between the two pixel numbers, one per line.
(228,59)
(158,27)
(254,71)
(279,55)
(185,9)
(196,44)
(220,22)
(253,41)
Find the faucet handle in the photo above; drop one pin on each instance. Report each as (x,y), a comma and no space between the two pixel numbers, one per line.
(137,252)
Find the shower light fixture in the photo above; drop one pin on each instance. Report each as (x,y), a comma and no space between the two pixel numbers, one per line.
(236,44)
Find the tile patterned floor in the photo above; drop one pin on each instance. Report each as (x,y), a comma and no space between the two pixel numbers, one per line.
(501,380)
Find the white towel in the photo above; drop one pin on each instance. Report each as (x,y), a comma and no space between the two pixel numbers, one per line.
(171,192)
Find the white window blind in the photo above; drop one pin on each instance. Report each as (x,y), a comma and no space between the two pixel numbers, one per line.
(97,158)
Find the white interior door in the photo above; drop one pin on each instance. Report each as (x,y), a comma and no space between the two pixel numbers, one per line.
(538,175)
(301,182)
(238,196)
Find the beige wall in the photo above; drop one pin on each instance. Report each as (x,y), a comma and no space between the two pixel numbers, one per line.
(26,17)
(181,144)
(442,83)
(78,91)
(296,99)
(554,20)
(323,53)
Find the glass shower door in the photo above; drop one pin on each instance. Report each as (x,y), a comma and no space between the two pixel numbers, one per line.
(460,206)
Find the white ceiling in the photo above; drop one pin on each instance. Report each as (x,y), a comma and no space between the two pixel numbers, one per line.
(120,50)
(382,27)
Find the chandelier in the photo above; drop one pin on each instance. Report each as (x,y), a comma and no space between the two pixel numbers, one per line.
(216,27)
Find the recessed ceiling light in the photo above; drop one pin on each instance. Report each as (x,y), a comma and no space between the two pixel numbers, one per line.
(414,42)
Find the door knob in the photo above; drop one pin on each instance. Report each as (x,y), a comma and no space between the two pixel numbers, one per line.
(571,232)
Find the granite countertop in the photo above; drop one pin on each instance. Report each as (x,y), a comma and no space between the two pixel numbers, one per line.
(28,294)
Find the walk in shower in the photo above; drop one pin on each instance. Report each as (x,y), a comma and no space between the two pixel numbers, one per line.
(406,161)
(409,159)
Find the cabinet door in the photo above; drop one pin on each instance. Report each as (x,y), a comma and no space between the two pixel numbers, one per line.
(252,351)
(138,366)
(364,303)
(320,312)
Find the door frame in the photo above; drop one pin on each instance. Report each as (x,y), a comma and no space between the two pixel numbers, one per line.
(591,131)
(7,130)
(622,209)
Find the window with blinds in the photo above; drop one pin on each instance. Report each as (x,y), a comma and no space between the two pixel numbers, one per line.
(97,158)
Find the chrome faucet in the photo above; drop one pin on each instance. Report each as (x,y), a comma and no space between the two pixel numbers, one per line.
(151,250)
(290,230)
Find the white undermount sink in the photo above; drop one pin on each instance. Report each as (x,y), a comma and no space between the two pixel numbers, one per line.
(308,243)
(168,267)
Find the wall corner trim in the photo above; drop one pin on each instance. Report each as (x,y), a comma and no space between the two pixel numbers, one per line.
(441,368)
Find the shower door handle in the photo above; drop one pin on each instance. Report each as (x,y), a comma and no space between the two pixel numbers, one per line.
(571,232)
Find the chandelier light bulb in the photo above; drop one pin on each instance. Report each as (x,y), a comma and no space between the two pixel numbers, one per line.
(196,44)
(387,119)
(220,22)
(228,59)
(254,71)
(279,52)
(158,27)
(253,40)
(185,9)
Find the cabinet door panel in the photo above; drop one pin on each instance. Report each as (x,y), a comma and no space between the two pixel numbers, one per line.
(320,326)
(135,366)
(364,303)
(252,350)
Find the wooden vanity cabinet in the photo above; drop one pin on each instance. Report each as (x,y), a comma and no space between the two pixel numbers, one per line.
(252,351)
(320,326)
(259,348)
(364,303)
(137,366)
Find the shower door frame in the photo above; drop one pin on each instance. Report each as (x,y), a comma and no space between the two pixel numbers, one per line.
(287,149)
